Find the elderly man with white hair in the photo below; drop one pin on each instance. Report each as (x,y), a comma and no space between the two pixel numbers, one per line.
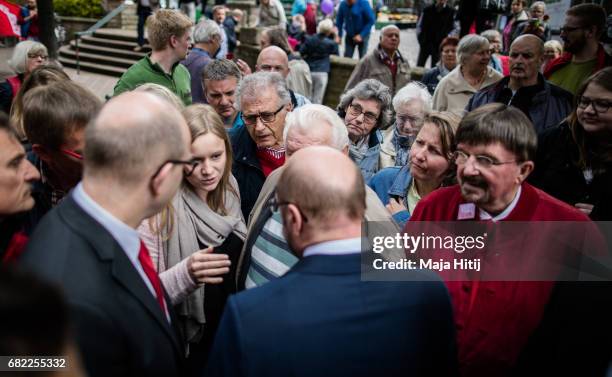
(385,64)
(207,37)
(411,104)
(266,255)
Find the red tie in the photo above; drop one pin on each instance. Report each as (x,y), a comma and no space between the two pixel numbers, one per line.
(147,266)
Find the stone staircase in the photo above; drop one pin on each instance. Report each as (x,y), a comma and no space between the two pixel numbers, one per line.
(106,51)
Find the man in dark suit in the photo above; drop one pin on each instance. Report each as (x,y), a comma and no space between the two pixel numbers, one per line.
(89,246)
(320,318)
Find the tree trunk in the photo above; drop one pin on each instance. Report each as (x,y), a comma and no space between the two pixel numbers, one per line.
(46,23)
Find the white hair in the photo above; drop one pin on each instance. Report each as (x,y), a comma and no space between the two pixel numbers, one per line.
(325,27)
(538,4)
(205,31)
(20,54)
(305,116)
(256,83)
(413,90)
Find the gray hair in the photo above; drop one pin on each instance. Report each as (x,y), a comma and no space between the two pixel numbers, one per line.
(205,31)
(162,92)
(254,84)
(369,89)
(388,27)
(538,4)
(414,90)
(20,54)
(469,45)
(491,34)
(305,116)
(325,27)
(221,69)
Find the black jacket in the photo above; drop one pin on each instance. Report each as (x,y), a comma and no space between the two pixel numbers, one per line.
(246,168)
(229,24)
(557,173)
(316,50)
(435,25)
(119,327)
(548,107)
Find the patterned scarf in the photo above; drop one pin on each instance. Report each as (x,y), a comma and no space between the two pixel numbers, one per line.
(401,144)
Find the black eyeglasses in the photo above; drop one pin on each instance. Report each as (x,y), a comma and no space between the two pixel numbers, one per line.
(190,166)
(275,204)
(599,105)
(482,162)
(355,110)
(266,117)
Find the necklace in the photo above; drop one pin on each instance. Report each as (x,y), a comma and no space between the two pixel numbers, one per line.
(474,83)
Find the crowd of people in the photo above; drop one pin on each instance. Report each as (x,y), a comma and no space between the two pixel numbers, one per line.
(207,220)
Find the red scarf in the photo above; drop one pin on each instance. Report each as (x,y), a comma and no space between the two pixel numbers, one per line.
(270,159)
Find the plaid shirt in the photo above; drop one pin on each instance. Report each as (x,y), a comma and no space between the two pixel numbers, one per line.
(389,61)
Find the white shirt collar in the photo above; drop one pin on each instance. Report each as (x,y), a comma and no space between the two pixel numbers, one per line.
(125,236)
(336,247)
(505,213)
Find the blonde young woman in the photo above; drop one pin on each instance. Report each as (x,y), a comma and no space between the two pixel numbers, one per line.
(196,242)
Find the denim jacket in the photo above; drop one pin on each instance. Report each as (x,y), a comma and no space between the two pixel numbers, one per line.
(370,163)
(393,182)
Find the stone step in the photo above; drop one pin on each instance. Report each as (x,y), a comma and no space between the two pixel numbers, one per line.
(117,34)
(85,47)
(93,67)
(99,40)
(69,53)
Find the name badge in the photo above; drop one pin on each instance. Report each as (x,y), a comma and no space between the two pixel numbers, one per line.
(466,211)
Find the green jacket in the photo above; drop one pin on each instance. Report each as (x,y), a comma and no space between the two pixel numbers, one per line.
(145,71)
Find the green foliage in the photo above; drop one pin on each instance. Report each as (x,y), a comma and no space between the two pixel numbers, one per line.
(79,8)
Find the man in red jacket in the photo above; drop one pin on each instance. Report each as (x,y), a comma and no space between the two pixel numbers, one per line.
(496,320)
(584,55)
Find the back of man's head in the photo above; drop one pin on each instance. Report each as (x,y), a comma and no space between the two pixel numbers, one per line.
(164,24)
(205,31)
(590,15)
(52,113)
(314,125)
(127,146)
(325,184)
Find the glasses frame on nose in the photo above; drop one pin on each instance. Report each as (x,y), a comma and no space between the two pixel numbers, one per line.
(584,102)
(274,204)
(192,164)
(356,110)
(482,161)
(34,56)
(266,117)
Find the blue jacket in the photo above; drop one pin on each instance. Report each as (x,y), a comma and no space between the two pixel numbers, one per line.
(392,182)
(371,161)
(316,50)
(246,168)
(196,61)
(320,319)
(356,19)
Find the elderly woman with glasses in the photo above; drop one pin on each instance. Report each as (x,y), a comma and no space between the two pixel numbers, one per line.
(196,242)
(366,109)
(574,160)
(473,73)
(27,55)
(428,167)
(411,104)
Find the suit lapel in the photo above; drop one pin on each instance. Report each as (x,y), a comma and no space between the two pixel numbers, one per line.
(122,270)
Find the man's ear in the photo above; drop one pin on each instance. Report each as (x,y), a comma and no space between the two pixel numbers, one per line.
(293,219)
(525,169)
(158,181)
(173,41)
(42,152)
(289,107)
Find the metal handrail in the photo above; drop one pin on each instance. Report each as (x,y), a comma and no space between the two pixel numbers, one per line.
(101,22)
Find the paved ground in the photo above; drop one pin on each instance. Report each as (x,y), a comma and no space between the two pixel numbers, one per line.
(103,85)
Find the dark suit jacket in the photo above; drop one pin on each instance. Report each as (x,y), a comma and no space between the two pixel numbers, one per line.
(320,319)
(119,327)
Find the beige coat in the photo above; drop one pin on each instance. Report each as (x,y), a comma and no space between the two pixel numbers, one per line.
(376,213)
(387,149)
(371,67)
(453,92)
